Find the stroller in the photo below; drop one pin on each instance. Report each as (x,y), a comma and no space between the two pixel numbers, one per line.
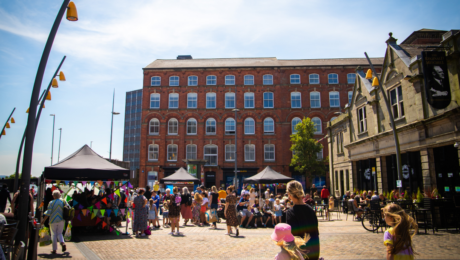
(220,213)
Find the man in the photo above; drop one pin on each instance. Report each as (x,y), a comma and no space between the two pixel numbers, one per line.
(382,199)
(198,190)
(147,193)
(4,196)
(243,210)
(325,195)
(222,194)
(355,200)
(375,196)
(346,196)
(313,190)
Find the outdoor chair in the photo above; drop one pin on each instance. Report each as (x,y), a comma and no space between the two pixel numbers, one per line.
(425,211)
(19,251)
(336,209)
(344,206)
(351,210)
(7,239)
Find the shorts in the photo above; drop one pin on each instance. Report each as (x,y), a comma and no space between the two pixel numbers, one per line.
(245,212)
(166,214)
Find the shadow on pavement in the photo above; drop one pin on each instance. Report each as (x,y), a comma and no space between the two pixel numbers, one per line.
(53,256)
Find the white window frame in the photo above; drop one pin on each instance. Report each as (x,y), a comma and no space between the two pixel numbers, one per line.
(151,97)
(153,150)
(230,80)
(318,125)
(248,149)
(269,131)
(248,99)
(192,80)
(292,100)
(195,102)
(208,121)
(396,103)
(350,76)
(350,97)
(227,132)
(313,101)
(272,99)
(333,78)
(191,151)
(312,80)
(362,119)
(229,152)
(294,80)
(170,122)
(248,79)
(190,125)
(319,155)
(211,80)
(333,100)
(172,102)
(154,120)
(209,100)
(293,131)
(205,155)
(267,79)
(247,125)
(229,97)
(174,81)
(171,155)
(266,152)
(155,81)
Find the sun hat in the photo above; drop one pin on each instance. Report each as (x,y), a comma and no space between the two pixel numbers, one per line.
(282,232)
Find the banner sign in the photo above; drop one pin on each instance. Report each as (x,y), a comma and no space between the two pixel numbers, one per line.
(192,169)
(437,87)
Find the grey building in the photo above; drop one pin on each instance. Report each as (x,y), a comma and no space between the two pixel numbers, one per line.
(132,135)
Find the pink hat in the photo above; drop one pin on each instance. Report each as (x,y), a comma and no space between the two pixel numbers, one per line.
(282,232)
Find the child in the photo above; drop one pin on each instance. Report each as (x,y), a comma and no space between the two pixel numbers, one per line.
(268,213)
(397,238)
(165,213)
(289,245)
(152,213)
(278,211)
(255,209)
(196,208)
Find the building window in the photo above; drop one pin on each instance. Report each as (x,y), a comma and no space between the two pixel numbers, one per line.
(249,100)
(249,152)
(396,99)
(295,100)
(229,100)
(315,100)
(333,78)
(155,81)
(173,126)
(350,96)
(269,125)
(314,78)
(229,80)
(193,81)
(211,80)
(191,151)
(174,81)
(249,126)
(172,152)
(230,152)
(319,155)
(295,79)
(230,126)
(173,100)
(153,152)
(210,126)
(334,100)
(294,122)
(269,152)
(210,100)
(318,127)
(362,119)
(192,100)
(351,77)
(248,80)
(155,101)
(268,79)
(191,126)
(210,154)
(340,142)
(268,100)
(154,127)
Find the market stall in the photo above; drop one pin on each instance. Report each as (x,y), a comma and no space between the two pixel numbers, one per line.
(181,178)
(268,176)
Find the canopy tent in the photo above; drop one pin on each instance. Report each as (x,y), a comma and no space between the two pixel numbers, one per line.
(268,175)
(85,164)
(180,175)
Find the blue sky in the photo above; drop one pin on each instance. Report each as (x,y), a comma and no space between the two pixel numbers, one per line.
(113,40)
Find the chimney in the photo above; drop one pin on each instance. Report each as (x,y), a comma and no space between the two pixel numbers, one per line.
(184,57)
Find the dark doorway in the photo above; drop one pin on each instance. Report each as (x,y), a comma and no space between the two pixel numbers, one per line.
(342,190)
(447,170)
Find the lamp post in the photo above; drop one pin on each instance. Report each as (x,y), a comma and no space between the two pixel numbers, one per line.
(52,140)
(59,151)
(235,180)
(7,124)
(111,127)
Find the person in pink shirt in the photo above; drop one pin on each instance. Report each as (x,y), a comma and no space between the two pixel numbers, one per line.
(289,245)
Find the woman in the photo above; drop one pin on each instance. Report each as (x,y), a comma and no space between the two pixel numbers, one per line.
(268,213)
(230,211)
(140,213)
(303,220)
(252,196)
(56,212)
(174,210)
(186,205)
(214,198)
(196,209)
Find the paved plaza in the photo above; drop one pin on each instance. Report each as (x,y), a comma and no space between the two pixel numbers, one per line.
(340,239)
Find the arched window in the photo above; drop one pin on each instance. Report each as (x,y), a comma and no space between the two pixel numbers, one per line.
(351,77)
(318,126)
(269,125)
(230,126)
(268,79)
(295,79)
(230,152)
(191,126)
(248,80)
(153,152)
(249,152)
(154,100)
(229,100)
(210,126)
(269,152)
(249,126)
(210,154)
(296,100)
(155,81)
(173,126)
(314,78)
(211,80)
(154,127)
(174,81)
(192,100)
(294,122)
(172,152)
(248,100)
(173,100)
(229,80)
(193,81)
(315,100)
(191,151)
(333,78)
(334,99)
(268,100)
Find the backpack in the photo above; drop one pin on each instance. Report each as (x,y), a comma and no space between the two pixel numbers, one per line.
(189,200)
(68,212)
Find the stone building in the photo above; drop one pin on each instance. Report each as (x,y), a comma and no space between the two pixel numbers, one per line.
(361,142)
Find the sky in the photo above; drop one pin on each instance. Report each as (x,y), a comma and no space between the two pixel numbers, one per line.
(112,41)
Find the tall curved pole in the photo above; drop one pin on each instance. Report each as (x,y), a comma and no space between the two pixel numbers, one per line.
(30,135)
(6,122)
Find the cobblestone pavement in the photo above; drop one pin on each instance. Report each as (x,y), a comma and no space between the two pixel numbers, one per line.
(340,239)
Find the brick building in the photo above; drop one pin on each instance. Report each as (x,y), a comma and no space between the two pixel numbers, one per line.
(187,112)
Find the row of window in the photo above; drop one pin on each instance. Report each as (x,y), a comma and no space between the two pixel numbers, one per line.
(267,79)
(249,101)
(211,126)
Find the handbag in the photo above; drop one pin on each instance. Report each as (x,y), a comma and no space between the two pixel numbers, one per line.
(211,215)
(68,212)
(45,238)
(147,231)
(68,233)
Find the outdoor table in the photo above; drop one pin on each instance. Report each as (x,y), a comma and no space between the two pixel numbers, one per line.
(324,206)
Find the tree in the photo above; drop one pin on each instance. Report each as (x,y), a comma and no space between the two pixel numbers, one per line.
(305,149)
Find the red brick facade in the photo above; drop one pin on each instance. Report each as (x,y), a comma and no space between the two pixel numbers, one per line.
(282,114)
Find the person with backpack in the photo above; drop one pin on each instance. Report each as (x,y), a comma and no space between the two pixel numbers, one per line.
(55,213)
(186,205)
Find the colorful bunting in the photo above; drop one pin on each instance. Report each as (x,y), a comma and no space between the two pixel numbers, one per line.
(111,195)
(84,183)
(53,188)
(104,200)
(129,185)
(118,233)
(75,183)
(80,206)
(48,181)
(66,183)
(115,211)
(94,213)
(98,205)
(79,217)
(103,224)
(57,182)
(116,183)
(98,220)
(102,212)
(127,221)
(75,202)
(100,183)
(126,199)
(90,208)
(118,193)
(84,211)
(68,198)
(122,211)
(108,183)
(111,229)
(92,183)
(108,212)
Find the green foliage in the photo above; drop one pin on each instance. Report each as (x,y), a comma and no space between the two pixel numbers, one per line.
(392,195)
(406,195)
(305,148)
(12,176)
(419,196)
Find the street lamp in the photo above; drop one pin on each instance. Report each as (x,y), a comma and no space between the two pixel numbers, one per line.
(7,124)
(59,151)
(236,171)
(111,127)
(52,140)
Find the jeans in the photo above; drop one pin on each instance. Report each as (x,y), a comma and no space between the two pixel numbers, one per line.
(214,206)
(56,233)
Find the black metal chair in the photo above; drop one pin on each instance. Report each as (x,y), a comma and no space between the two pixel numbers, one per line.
(428,222)
(19,251)
(7,239)
(351,209)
